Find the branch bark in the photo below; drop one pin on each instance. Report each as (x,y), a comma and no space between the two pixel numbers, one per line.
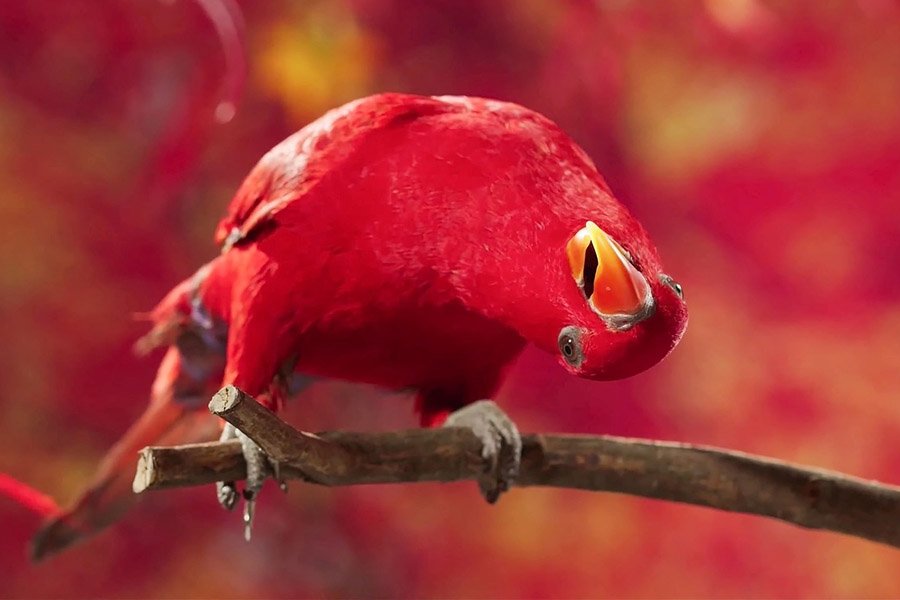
(705,476)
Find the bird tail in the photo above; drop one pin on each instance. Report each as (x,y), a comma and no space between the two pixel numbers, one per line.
(28,497)
(188,376)
(168,420)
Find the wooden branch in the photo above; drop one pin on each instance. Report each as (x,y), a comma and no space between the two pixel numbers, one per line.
(704,476)
(282,443)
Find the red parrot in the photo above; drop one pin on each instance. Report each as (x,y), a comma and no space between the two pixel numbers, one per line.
(410,242)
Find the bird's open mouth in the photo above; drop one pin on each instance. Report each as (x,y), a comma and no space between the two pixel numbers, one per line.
(612,285)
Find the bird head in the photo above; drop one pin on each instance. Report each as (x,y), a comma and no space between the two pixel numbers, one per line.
(620,313)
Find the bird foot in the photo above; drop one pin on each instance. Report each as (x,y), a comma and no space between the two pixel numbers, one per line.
(502,445)
(226,492)
(259,467)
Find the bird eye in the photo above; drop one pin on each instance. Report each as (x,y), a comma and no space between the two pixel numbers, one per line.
(676,287)
(570,346)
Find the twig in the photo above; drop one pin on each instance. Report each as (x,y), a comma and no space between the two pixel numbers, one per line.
(705,476)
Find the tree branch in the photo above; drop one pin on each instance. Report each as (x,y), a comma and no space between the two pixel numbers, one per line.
(704,476)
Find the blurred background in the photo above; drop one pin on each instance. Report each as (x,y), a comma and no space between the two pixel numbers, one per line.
(759,142)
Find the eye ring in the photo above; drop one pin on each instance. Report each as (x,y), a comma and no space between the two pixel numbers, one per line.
(673,285)
(569,342)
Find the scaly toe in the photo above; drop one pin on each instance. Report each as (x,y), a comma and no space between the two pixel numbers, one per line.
(249,512)
(226,494)
(502,445)
(276,474)
(258,469)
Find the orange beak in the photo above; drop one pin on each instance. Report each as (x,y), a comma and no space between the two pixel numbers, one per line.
(603,271)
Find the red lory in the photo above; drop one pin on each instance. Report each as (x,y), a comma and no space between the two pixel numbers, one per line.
(409,242)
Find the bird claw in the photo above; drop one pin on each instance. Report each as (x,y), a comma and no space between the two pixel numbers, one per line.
(276,475)
(249,512)
(226,494)
(502,445)
(259,467)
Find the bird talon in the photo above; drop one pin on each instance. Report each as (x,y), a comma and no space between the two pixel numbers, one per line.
(502,445)
(226,494)
(276,474)
(249,512)
(258,468)
(258,465)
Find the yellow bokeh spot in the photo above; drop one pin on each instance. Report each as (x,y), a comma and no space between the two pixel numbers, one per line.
(315,61)
(684,117)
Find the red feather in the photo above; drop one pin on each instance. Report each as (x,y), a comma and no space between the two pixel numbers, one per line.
(418,242)
(409,242)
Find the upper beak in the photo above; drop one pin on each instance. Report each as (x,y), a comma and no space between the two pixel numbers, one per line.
(609,280)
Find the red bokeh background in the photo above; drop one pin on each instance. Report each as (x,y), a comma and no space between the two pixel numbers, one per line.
(758,141)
